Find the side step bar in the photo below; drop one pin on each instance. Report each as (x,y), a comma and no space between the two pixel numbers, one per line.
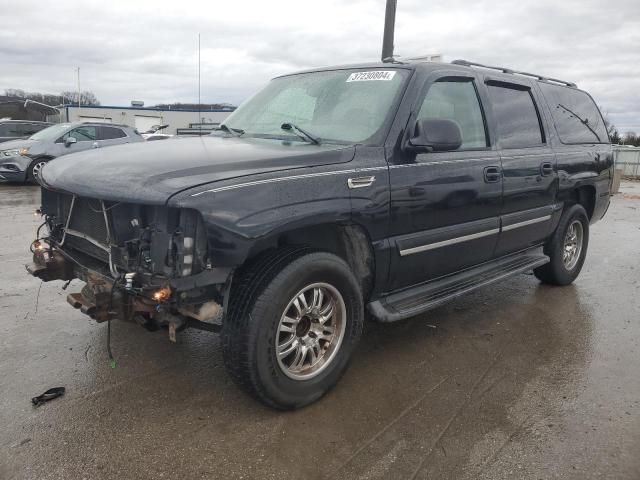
(419,299)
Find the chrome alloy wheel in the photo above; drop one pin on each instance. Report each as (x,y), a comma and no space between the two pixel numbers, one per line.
(37,168)
(572,245)
(310,331)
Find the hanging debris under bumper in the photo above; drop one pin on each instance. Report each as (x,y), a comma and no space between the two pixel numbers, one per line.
(177,302)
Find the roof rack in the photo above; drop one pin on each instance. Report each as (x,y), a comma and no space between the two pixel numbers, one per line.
(466,63)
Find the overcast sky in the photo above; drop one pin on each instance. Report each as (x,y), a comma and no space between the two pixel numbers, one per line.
(148,50)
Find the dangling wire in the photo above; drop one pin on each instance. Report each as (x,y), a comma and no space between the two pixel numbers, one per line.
(112,360)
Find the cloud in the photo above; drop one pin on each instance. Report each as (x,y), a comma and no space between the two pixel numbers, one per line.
(148,49)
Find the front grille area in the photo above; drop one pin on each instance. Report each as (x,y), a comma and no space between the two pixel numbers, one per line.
(88,218)
(86,226)
(85,246)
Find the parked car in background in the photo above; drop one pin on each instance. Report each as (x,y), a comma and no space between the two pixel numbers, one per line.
(22,160)
(15,129)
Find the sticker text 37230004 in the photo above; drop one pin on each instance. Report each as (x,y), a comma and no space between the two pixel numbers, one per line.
(371,75)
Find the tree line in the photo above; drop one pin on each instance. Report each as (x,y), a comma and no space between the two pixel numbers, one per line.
(68,97)
(629,138)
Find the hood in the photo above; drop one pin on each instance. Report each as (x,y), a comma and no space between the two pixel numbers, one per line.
(17,144)
(152,172)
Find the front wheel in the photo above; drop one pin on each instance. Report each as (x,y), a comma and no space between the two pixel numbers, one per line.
(567,248)
(294,319)
(35,168)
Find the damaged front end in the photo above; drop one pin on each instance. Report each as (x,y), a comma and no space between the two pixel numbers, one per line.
(142,263)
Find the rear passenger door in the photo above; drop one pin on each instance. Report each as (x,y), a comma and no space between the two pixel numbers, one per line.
(528,165)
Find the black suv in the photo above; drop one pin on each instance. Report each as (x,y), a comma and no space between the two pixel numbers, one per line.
(15,129)
(386,188)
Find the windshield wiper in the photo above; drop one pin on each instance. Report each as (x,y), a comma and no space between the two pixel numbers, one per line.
(236,132)
(300,132)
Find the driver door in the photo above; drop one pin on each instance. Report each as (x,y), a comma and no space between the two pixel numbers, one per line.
(445,206)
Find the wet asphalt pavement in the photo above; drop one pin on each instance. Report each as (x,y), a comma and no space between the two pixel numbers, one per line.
(517,380)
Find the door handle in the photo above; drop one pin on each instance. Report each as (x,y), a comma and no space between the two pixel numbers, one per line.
(359,182)
(492,174)
(546,169)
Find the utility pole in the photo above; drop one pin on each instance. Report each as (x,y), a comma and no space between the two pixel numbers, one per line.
(78,90)
(389,28)
(199,100)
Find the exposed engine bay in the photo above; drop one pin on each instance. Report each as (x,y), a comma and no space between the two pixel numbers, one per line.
(140,263)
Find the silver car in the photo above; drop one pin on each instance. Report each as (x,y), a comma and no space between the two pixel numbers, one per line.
(22,160)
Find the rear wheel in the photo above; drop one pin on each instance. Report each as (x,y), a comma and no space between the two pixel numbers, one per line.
(567,248)
(294,318)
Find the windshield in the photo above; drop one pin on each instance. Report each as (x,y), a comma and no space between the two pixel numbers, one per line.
(343,106)
(51,133)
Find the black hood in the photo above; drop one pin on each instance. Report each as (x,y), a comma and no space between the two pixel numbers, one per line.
(152,172)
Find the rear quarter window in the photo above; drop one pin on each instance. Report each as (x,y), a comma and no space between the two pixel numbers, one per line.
(110,133)
(575,115)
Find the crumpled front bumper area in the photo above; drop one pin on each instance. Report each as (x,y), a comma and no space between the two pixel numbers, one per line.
(104,298)
(100,298)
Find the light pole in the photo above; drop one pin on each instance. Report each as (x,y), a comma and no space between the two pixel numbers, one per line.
(78,90)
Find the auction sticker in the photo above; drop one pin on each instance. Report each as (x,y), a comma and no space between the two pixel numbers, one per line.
(385,75)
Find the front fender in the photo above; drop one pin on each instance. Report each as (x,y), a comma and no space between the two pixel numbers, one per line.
(241,214)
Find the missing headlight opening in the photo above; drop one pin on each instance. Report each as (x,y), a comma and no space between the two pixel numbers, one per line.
(136,260)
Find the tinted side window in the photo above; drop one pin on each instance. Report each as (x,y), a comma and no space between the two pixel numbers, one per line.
(28,129)
(516,116)
(457,101)
(109,133)
(5,130)
(81,134)
(575,115)
(11,130)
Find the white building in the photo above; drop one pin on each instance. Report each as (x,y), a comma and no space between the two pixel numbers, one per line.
(181,122)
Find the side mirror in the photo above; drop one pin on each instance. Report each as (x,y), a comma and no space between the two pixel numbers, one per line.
(435,135)
(70,141)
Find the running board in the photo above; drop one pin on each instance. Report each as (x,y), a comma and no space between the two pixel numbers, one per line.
(419,299)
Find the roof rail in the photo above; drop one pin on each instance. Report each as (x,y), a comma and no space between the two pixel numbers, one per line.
(466,63)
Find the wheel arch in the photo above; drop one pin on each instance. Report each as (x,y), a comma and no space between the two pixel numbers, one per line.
(32,162)
(585,195)
(349,242)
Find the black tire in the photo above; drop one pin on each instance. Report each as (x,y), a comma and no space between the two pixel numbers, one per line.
(556,272)
(259,297)
(33,166)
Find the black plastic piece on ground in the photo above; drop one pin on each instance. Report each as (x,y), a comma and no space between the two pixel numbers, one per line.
(48,395)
